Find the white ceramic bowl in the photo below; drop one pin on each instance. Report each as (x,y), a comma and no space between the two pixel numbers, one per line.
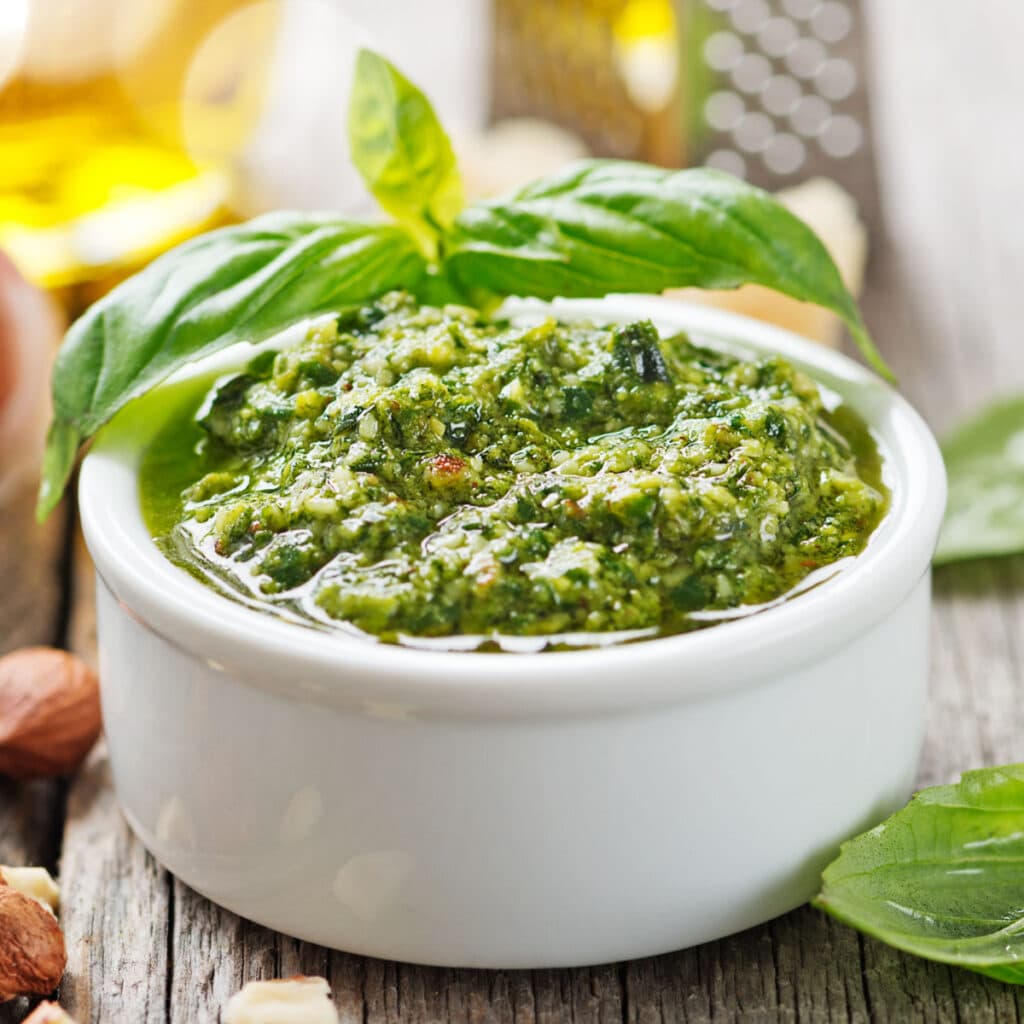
(511,810)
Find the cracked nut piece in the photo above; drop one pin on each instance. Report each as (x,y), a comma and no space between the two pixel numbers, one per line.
(296,1000)
(32,953)
(48,1013)
(49,712)
(35,882)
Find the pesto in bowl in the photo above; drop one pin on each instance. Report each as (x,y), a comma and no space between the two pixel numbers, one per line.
(412,472)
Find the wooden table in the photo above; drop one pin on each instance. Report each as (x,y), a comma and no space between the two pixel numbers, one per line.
(946,300)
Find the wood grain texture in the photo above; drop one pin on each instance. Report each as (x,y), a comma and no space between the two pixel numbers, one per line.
(117,908)
(31,609)
(946,302)
(31,569)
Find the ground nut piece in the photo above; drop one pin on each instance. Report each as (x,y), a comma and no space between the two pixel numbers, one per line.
(296,1000)
(35,882)
(48,1013)
(49,712)
(445,470)
(32,953)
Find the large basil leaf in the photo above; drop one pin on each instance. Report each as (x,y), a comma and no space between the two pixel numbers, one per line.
(402,151)
(985,465)
(237,284)
(944,877)
(605,226)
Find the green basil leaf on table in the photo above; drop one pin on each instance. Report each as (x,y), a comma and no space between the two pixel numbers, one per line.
(236,284)
(985,464)
(605,226)
(401,150)
(944,877)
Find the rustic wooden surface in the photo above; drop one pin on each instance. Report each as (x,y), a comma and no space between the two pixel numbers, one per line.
(946,300)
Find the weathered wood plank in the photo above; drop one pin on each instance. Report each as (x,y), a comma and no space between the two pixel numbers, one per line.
(31,597)
(31,573)
(117,906)
(116,910)
(214,954)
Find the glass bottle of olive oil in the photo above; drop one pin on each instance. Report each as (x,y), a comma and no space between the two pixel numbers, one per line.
(117,118)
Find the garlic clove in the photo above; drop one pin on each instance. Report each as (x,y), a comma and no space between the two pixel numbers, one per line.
(296,1000)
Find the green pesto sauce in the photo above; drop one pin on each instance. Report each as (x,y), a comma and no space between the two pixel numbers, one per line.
(416,472)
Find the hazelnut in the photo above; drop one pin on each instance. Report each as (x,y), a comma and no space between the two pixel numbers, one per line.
(48,1013)
(296,1000)
(49,712)
(32,953)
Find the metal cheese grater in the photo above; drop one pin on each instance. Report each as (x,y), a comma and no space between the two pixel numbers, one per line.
(771,90)
(787,98)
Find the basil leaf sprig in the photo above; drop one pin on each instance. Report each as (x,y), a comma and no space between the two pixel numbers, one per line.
(985,466)
(942,878)
(605,226)
(600,226)
(402,152)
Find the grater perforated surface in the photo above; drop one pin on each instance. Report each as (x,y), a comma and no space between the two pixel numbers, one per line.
(784,95)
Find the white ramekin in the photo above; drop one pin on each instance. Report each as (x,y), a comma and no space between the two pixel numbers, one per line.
(519,810)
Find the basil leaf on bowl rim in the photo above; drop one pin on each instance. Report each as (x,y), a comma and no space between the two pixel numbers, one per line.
(944,877)
(985,466)
(242,283)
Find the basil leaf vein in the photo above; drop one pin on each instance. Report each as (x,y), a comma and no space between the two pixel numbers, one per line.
(943,877)
(240,283)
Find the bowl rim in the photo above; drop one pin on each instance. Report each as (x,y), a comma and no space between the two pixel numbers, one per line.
(293,659)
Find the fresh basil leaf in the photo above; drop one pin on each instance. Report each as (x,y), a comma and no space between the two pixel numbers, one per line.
(985,466)
(240,283)
(944,877)
(605,226)
(402,151)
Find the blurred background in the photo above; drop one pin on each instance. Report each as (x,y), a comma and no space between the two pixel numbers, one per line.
(128,124)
